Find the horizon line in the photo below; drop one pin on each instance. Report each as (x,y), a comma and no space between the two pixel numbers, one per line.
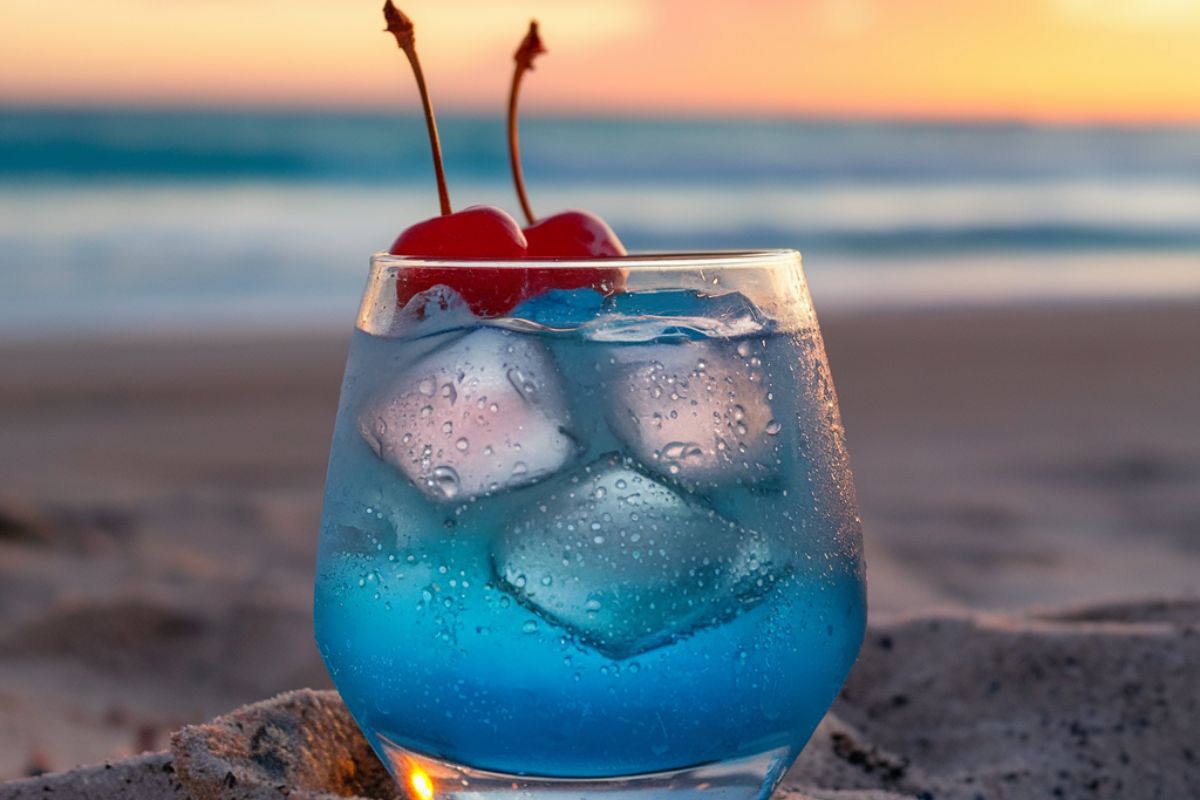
(471,111)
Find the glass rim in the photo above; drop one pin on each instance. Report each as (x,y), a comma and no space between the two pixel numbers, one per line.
(657,261)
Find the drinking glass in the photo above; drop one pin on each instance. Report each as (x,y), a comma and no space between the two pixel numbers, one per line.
(605,544)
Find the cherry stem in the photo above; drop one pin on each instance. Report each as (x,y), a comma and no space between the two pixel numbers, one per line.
(531,47)
(399,25)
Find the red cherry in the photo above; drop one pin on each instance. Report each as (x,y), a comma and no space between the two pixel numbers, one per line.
(478,232)
(576,234)
(474,232)
(573,234)
(570,234)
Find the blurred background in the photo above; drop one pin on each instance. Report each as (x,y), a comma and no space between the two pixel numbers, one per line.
(166,165)
(998,203)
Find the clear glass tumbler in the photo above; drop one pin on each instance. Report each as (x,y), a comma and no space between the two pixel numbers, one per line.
(604,544)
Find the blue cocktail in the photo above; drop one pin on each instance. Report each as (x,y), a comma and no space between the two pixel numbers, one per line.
(602,544)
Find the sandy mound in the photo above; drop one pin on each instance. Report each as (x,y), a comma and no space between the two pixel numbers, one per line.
(303,743)
(1101,702)
(148,777)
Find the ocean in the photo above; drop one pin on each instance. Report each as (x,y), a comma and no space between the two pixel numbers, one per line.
(119,219)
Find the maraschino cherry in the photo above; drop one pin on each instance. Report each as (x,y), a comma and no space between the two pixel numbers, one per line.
(569,234)
(475,232)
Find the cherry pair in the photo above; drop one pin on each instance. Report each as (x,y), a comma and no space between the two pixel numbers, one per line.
(487,232)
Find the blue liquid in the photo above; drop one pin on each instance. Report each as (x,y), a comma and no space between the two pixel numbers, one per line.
(437,648)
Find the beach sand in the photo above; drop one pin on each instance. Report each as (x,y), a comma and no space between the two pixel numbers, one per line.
(159,503)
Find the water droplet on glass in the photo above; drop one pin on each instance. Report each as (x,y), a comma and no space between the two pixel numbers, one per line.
(445,480)
(682,452)
(523,384)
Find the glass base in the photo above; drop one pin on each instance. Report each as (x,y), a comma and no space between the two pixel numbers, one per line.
(747,778)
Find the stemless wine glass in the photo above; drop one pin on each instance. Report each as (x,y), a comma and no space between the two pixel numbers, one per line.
(606,544)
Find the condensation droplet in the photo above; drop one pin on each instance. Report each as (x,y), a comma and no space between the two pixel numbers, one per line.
(523,384)
(682,452)
(446,481)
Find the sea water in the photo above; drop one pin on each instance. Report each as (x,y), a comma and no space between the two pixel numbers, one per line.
(144,219)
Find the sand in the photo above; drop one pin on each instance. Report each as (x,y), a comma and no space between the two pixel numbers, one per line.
(159,504)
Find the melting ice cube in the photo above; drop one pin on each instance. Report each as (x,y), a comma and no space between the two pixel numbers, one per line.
(485,413)
(696,411)
(674,314)
(626,563)
(438,308)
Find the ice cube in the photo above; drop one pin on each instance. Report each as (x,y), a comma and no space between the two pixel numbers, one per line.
(484,413)
(676,314)
(695,411)
(434,310)
(626,563)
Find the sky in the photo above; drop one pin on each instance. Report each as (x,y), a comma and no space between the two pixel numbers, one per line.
(1038,60)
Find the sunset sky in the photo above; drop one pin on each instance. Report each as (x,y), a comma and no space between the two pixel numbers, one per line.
(1056,60)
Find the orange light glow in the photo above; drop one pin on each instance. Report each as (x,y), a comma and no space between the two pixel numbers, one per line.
(421,783)
(1121,60)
